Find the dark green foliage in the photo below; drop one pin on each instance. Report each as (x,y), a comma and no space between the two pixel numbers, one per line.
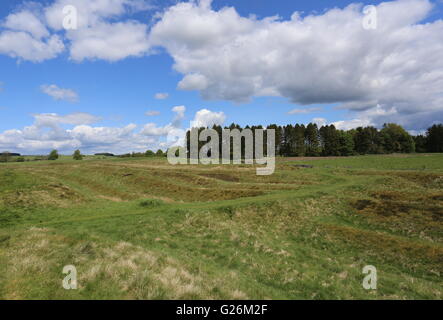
(367,140)
(5,156)
(160,153)
(300,140)
(312,140)
(105,154)
(137,155)
(149,203)
(149,153)
(420,143)
(396,139)
(346,144)
(53,155)
(77,155)
(434,137)
(330,141)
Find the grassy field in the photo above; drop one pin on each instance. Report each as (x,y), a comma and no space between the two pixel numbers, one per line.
(142,229)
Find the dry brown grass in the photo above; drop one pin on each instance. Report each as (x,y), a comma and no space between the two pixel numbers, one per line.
(389,247)
(52,195)
(137,272)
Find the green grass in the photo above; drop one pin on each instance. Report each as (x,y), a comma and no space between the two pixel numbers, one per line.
(388,162)
(142,229)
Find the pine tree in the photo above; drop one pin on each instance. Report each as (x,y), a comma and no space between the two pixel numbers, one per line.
(346,143)
(434,138)
(312,140)
(299,140)
(329,141)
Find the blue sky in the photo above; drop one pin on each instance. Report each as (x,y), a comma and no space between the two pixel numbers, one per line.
(115,81)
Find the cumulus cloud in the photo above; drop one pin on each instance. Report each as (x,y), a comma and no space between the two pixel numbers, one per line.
(78,131)
(174,131)
(151,129)
(319,121)
(324,58)
(97,36)
(315,59)
(376,116)
(26,37)
(91,13)
(22,45)
(28,22)
(352,124)
(48,132)
(36,32)
(109,41)
(59,93)
(193,82)
(161,96)
(206,118)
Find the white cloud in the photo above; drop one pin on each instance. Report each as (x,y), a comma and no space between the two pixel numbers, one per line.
(161,96)
(91,13)
(193,82)
(26,37)
(109,41)
(376,116)
(313,59)
(351,124)
(102,136)
(59,93)
(152,113)
(179,115)
(76,131)
(28,22)
(320,122)
(47,133)
(53,119)
(323,58)
(305,111)
(98,36)
(151,129)
(19,44)
(206,118)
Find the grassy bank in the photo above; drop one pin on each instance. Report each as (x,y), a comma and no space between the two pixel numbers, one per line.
(142,229)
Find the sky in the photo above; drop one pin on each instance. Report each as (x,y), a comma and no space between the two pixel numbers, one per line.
(132,75)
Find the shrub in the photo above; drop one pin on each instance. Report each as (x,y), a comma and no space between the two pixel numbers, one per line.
(149,153)
(77,155)
(53,155)
(160,153)
(150,203)
(5,157)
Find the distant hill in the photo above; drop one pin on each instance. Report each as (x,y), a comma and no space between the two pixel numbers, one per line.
(105,154)
(11,154)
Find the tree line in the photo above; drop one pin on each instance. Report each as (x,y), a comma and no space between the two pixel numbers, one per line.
(309,140)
